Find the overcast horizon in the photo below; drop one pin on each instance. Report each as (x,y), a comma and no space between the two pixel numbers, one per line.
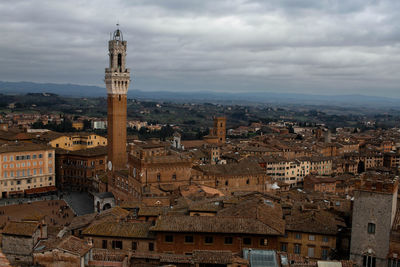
(313,47)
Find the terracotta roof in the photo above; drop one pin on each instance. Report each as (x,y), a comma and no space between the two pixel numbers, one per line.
(81,221)
(193,143)
(318,222)
(119,229)
(89,152)
(212,224)
(245,168)
(20,228)
(212,256)
(14,136)
(261,209)
(152,211)
(22,147)
(74,245)
(115,212)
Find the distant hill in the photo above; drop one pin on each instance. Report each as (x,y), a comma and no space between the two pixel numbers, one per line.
(74,90)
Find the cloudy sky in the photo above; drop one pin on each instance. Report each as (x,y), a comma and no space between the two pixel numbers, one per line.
(302,46)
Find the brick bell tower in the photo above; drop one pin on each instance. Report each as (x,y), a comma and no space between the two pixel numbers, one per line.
(117,79)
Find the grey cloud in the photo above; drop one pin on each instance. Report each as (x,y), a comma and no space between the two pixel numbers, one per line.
(325,46)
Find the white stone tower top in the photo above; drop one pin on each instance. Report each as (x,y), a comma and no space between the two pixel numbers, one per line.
(117,77)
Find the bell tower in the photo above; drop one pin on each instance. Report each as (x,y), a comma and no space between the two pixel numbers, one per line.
(117,79)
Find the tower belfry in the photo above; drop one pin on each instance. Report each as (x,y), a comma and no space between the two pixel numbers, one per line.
(117,79)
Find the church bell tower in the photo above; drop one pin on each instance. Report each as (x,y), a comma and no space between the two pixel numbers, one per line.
(117,79)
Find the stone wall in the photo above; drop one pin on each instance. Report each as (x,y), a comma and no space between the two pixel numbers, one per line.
(376,208)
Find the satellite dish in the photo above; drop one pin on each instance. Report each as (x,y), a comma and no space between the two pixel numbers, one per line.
(109,165)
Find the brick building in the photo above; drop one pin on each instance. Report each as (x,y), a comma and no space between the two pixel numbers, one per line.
(152,165)
(320,184)
(78,169)
(310,233)
(120,235)
(253,222)
(243,176)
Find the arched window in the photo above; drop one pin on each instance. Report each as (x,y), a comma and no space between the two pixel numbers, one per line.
(119,62)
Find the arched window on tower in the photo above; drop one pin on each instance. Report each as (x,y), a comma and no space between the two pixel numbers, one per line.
(120,62)
(111,60)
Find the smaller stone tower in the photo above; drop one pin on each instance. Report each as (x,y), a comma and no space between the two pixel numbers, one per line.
(219,129)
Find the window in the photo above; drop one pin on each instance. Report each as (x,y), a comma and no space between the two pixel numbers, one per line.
(298,236)
(247,241)
(311,252)
(104,244)
(263,242)
(28,181)
(393,262)
(40,156)
(325,239)
(324,253)
(371,228)
(151,246)
(34,156)
(228,240)
(174,177)
(208,240)
(369,261)
(311,237)
(18,182)
(134,245)
(189,239)
(158,177)
(284,247)
(4,158)
(116,244)
(169,239)
(297,249)
(50,155)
